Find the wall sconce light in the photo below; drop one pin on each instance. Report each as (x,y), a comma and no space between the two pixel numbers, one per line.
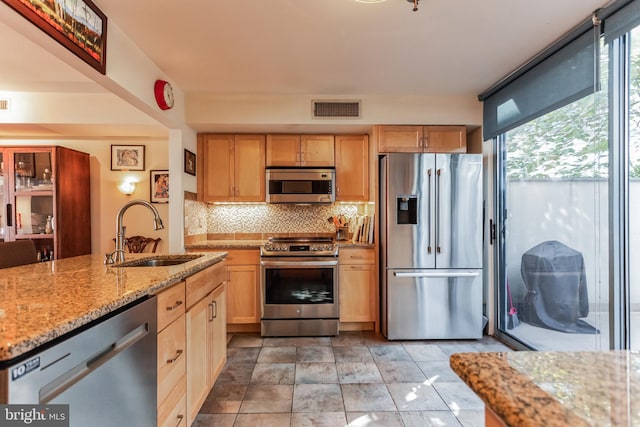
(126,187)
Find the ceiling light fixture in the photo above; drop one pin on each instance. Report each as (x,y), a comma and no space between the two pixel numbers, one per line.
(370,1)
(415,4)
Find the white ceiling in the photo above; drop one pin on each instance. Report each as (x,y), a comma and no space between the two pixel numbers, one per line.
(315,47)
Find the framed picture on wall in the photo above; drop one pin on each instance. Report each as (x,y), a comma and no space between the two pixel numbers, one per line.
(79,26)
(127,157)
(159,183)
(189,162)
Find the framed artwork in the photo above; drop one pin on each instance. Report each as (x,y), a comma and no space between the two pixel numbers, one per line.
(127,157)
(159,186)
(189,162)
(77,25)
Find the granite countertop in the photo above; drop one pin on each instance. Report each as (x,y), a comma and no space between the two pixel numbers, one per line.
(530,388)
(43,301)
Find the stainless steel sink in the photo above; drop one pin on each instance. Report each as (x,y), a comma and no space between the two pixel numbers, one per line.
(162,261)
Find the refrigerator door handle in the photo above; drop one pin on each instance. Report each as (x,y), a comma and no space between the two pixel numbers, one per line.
(438,210)
(429,249)
(436,274)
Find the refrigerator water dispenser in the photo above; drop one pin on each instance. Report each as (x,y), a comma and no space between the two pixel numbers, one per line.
(407,209)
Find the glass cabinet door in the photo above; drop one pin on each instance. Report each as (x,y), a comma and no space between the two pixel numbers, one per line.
(33,171)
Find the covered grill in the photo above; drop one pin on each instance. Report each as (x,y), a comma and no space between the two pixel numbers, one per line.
(556,298)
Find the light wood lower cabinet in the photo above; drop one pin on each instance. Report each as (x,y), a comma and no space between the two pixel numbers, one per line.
(172,412)
(192,344)
(243,286)
(171,359)
(358,290)
(197,349)
(217,333)
(206,350)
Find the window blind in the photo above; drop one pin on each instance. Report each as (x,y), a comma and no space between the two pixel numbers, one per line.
(561,78)
(622,21)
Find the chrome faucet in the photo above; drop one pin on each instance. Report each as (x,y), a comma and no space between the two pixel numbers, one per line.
(121,229)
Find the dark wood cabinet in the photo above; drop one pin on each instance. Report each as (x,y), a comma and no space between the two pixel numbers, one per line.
(45,194)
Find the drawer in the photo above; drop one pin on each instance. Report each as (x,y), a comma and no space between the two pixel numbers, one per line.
(356,256)
(203,282)
(171,304)
(171,356)
(243,257)
(173,411)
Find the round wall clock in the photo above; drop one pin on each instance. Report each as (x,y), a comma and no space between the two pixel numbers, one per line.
(164,94)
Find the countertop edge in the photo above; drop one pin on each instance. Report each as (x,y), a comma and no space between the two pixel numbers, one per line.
(509,394)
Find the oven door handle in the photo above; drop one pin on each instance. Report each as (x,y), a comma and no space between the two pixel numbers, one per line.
(298,263)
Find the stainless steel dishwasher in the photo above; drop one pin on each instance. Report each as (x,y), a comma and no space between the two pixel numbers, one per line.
(106,372)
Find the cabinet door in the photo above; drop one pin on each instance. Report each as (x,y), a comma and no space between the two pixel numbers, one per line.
(393,139)
(445,139)
(357,294)
(171,412)
(317,150)
(243,297)
(197,351)
(217,173)
(217,334)
(283,150)
(352,168)
(171,357)
(249,171)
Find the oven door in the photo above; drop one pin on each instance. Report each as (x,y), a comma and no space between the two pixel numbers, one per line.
(299,287)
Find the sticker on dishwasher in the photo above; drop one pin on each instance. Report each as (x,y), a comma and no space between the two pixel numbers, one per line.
(25,368)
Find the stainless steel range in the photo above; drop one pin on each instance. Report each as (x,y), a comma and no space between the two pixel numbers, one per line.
(299,285)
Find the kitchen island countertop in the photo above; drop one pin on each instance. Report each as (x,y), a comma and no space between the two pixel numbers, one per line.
(41,302)
(550,389)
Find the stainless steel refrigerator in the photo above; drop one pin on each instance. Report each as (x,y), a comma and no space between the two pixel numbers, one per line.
(431,245)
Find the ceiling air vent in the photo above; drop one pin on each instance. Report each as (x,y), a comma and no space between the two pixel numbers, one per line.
(335,109)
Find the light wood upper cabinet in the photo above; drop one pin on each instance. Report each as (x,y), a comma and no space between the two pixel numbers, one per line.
(233,168)
(283,150)
(422,139)
(300,150)
(352,168)
(445,139)
(317,150)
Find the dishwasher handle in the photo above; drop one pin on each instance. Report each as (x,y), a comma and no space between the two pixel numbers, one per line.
(436,274)
(84,368)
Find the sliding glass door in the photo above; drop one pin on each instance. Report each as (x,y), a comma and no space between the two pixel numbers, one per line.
(553,197)
(568,210)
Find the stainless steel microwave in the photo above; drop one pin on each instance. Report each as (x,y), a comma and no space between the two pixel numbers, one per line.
(301,185)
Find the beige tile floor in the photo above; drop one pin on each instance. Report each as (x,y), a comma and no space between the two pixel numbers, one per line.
(354,379)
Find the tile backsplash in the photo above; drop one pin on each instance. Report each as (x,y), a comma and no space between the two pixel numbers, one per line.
(201,218)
